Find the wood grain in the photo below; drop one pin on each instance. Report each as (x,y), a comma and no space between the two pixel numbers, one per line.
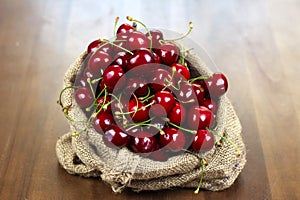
(255,43)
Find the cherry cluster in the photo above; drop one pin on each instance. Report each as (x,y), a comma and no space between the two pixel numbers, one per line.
(138,92)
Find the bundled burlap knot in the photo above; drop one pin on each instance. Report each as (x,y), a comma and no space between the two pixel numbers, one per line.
(122,169)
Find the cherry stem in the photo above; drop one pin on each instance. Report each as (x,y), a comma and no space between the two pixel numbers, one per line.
(181,37)
(109,42)
(134,25)
(115,26)
(95,99)
(138,124)
(134,111)
(91,87)
(203,77)
(169,82)
(227,140)
(181,128)
(201,178)
(61,93)
(148,31)
(96,80)
(146,96)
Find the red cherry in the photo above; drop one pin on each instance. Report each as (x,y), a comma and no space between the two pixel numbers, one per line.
(93,46)
(84,97)
(112,75)
(121,58)
(144,142)
(217,85)
(166,100)
(124,28)
(186,93)
(210,104)
(200,117)
(181,70)
(138,86)
(157,35)
(104,100)
(137,40)
(156,58)
(157,124)
(168,53)
(172,139)
(199,92)
(116,136)
(122,42)
(138,110)
(98,62)
(160,78)
(177,114)
(140,57)
(103,121)
(203,141)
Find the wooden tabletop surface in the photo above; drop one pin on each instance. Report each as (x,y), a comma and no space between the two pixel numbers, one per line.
(256,43)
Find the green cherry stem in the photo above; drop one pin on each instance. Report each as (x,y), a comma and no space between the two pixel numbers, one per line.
(203,77)
(148,31)
(91,87)
(181,128)
(61,93)
(181,37)
(109,42)
(201,178)
(115,26)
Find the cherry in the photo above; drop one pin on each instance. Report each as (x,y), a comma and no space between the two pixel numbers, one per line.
(200,117)
(122,42)
(181,70)
(104,100)
(156,58)
(113,135)
(216,85)
(203,141)
(84,97)
(199,92)
(172,139)
(138,86)
(92,47)
(138,110)
(177,114)
(157,35)
(168,53)
(210,104)
(160,78)
(98,62)
(82,82)
(166,100)
(112,75)
(137,40)
(155,126)
(143,142)
(103,121)
(125,28)
(186,93)
(121,58)
(140,57)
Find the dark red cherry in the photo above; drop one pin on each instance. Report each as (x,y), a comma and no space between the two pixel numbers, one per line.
(216,85)
(93,46)
(157,35)
(143,142)
(121,58)
(104,101)
(155,126)
(103,121)
(203,141)
(139,58)
(124,28)
(199,92)
(156,58)
(114,136)
(81,82)
(160,79)
(210,104)
(121,42)
(186,93)
(139,112)
(182,71)
(166,100)
(137,40)
(200,117)
(84,97)
(177,114)
(98,62)
(112,75)
(168,53)
(138,86)
(173,139)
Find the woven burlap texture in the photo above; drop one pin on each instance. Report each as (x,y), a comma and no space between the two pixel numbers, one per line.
(122,168)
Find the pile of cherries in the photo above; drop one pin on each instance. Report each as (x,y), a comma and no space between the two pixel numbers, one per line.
(138,92)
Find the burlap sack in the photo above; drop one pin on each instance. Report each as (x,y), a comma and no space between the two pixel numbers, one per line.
(122,168)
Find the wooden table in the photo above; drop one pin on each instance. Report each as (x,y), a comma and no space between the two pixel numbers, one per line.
(255,43)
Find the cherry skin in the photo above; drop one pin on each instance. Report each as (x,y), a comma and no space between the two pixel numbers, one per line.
(168,53)
(210,104)
(217,85)
(121,58)
(138,86)
(98,62)
(104,100)
(156,58)
(200,117)
(84,97)
(173,139)
(160,78)
(157,35)
(103,121)
(166,100)
(186,93)
(122,42)
(138,110)
(114,136)
(137,40)
(177,114)
(182,71)
(112,75)
(140,57)
(124,28)
(92,47)
(203,141)
(199,92)
(143,142)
